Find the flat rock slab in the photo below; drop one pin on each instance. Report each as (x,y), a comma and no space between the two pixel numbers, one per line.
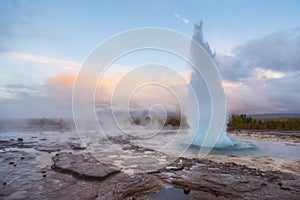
(230,180)
(82,166)
(84,177)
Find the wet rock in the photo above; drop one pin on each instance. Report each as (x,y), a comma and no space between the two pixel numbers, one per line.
(47,148)
(273,177)
(11,163)
(127,145)
(263,184)
(83,177)
(16,143)
(20,139)
(230,180)
(77,146)
(179,164)
(22,158)
(123,186)
(17,195)
(81,166)
(136,148)
(120,139)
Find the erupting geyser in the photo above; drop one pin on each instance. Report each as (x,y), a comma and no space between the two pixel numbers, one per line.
(204,102)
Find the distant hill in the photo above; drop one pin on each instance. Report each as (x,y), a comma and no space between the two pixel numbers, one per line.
(275,115)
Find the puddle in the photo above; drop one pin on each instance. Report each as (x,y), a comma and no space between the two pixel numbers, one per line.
(13,149)
(45,160)
(171,193)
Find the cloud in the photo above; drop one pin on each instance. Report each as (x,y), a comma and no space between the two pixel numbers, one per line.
(17,90)
(261,75)
(278,51)
(24,101)
(121,84)
(54,97)
(267,95)
(185,20)
(63,79)
(232,67)
(54,62)
(275,53)
(268,74)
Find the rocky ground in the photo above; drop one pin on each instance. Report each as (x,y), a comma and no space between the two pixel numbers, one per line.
(286,137)
(34,169)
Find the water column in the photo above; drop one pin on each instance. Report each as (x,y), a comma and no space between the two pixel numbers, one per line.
(204,99)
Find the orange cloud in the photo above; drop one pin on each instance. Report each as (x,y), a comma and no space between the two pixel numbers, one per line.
(120,85)
(63,79)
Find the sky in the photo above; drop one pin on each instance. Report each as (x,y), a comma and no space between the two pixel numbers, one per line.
(44,43)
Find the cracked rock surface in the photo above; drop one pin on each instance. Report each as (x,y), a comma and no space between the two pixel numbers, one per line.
(27,172)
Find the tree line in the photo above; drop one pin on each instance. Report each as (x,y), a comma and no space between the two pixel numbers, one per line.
(171,121)
(237,122)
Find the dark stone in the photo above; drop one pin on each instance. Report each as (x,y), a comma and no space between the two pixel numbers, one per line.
(43,171)
(186,190)
(22,158)
(11,163)
(44,175)
(20,139)
(4,183)
(77,146)
(285,188)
